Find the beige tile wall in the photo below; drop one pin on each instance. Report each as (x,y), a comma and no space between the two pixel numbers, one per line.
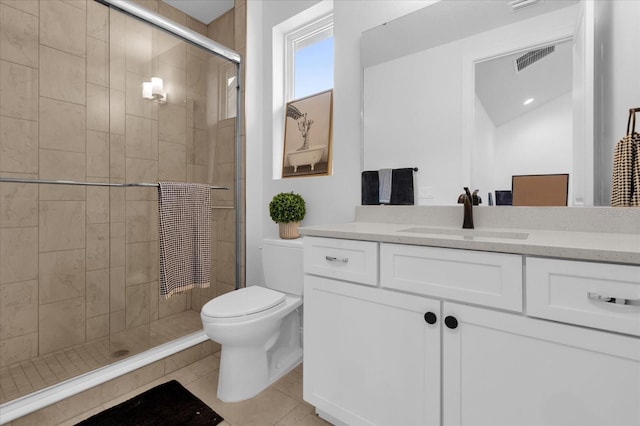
(218,147)
(78,263)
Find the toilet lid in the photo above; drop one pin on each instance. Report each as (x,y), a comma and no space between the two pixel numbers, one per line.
(244,301)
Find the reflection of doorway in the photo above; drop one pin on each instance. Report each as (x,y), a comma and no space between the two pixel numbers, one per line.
(524,114)
(523,109)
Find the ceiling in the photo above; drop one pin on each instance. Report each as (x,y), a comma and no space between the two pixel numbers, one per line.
(502,90)
(444,22)
(204,11)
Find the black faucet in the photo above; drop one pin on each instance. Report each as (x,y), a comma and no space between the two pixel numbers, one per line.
(467,200)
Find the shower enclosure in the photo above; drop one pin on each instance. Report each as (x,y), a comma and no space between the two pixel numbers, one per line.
(81,136)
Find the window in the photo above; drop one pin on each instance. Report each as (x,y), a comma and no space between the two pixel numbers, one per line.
(309,59)
(302,66)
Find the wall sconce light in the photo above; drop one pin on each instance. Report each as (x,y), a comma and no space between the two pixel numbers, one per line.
(153,90)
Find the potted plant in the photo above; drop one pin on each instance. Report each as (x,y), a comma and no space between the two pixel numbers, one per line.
(287,210)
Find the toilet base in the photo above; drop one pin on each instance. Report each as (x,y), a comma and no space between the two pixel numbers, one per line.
(234,386)
(243,373)
(247,371)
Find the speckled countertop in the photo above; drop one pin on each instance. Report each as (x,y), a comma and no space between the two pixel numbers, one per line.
(604,246)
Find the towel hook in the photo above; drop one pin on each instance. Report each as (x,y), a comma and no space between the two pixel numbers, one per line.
(631,122)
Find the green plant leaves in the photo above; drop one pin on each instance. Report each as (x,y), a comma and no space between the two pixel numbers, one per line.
(287,207)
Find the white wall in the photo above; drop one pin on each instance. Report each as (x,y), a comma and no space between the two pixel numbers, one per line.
(581,184)
(617,87)
(412,118)
(330,199)
(539,142)
(483,158)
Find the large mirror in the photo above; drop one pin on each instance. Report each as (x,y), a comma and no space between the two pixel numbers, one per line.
(442,92)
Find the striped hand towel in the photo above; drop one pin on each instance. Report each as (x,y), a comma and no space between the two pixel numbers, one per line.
(625,183)
(185,236)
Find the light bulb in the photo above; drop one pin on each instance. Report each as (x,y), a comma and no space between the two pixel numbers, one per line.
(146,90)
(156,86)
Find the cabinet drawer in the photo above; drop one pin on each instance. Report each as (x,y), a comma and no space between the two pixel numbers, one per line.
(598,295)
(489,279)
(347,260)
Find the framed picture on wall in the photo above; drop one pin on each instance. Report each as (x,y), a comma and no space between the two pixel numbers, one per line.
(307,136)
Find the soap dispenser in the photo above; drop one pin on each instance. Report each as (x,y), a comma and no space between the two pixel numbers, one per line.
(475,198)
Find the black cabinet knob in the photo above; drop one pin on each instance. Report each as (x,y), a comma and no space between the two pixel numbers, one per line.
(451,322)
(430,318)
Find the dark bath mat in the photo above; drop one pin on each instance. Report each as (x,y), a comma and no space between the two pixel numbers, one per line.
(166,404)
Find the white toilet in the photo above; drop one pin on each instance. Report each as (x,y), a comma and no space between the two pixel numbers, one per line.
(259,328)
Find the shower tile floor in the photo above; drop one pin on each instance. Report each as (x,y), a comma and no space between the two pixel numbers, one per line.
(24,377)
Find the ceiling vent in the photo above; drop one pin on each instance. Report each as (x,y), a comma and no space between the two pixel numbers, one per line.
(519,4)
(532,56)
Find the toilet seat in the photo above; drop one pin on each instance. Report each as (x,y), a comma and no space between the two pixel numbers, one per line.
(245,301)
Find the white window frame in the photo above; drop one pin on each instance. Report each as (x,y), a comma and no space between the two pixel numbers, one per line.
(299,39)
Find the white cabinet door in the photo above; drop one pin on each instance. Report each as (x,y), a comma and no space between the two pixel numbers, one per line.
(504,369)
(370,357)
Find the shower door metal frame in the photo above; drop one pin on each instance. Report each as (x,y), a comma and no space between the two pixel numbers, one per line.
(22,406)
(156,20)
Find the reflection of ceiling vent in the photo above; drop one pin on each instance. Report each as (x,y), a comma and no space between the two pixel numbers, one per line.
(532,56)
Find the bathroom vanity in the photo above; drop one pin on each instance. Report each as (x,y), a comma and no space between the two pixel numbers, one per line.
(410,320)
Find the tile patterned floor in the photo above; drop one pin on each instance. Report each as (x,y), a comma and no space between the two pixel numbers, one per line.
(279,405)
(28,376)
(25,377)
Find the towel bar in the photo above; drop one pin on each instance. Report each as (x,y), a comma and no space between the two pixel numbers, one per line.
(73,182)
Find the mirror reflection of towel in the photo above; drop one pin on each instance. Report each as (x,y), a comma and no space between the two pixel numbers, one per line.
(625,183)
(370,188)
(384,185)
(401,187)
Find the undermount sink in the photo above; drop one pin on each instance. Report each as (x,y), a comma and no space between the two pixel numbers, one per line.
(469,233)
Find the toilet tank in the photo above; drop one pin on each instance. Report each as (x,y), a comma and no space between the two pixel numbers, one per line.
(282,265)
